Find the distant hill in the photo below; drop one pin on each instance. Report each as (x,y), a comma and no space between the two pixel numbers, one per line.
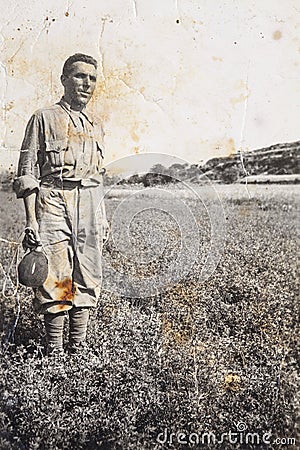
(279,159)
(278,163)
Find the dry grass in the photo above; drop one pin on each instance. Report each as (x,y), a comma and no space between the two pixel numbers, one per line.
(196,358)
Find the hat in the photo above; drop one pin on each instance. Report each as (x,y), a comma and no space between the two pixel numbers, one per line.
(33,268)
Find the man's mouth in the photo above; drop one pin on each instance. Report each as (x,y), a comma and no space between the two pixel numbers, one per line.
(84,93)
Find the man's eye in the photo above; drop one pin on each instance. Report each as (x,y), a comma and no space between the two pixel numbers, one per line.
(82,76)
(79,75)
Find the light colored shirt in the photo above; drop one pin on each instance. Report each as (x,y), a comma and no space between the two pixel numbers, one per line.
(59,144)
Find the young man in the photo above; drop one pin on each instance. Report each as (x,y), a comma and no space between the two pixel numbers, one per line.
(60,179)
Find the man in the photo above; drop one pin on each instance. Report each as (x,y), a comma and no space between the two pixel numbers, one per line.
(60,179)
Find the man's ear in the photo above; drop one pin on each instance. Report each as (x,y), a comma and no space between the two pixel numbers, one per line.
(63,79)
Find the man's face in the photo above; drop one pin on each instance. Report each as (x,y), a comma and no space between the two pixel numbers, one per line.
(79,84)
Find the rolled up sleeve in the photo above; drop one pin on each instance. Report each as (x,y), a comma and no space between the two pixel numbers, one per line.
(28,174)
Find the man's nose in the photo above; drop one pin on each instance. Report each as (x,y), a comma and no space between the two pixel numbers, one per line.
(87,81)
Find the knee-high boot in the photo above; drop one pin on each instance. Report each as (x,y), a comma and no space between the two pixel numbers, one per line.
(78,326)
(54,325)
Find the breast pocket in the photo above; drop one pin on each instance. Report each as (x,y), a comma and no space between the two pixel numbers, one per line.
(58,153)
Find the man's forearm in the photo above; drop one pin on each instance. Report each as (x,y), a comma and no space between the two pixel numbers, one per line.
(30,211)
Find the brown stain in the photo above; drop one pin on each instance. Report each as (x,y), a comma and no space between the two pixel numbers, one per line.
(18,66)
(68,288)
(217,58)
(244,211)
(240,85)
(63,307)
(230,147)
(176,333)
(114,84)
(113,91)
(116,171)
(277,35)
(241,98)
(133,133)
(232,382)
(8,106)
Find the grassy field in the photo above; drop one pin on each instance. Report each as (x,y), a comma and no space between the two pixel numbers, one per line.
(215,361)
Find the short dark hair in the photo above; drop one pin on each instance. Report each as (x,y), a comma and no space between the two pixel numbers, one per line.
(75,58)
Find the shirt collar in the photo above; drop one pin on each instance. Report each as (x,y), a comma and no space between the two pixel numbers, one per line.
(66,107)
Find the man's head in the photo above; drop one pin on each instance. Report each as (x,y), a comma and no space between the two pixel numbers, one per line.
(79,78)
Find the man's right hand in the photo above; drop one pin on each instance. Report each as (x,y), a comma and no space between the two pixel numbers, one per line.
(31,238)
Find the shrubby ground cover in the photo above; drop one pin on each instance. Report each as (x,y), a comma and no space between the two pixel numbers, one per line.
(198,358)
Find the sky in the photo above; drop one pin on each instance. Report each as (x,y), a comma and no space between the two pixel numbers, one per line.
(190,78)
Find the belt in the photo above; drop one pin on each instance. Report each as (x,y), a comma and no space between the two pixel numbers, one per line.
(59,183)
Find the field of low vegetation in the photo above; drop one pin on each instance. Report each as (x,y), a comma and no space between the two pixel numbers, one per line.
(199,365)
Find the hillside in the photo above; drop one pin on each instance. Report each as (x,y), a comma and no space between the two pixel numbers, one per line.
(262,165)
(279,159)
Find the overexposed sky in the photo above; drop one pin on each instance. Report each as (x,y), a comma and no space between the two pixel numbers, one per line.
(191,78)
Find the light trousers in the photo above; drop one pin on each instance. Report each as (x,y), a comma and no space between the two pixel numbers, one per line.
(71,230)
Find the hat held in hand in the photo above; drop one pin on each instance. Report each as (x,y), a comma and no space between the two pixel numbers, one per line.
(33,268)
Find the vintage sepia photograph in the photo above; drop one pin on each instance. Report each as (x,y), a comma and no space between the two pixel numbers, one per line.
(149,164)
